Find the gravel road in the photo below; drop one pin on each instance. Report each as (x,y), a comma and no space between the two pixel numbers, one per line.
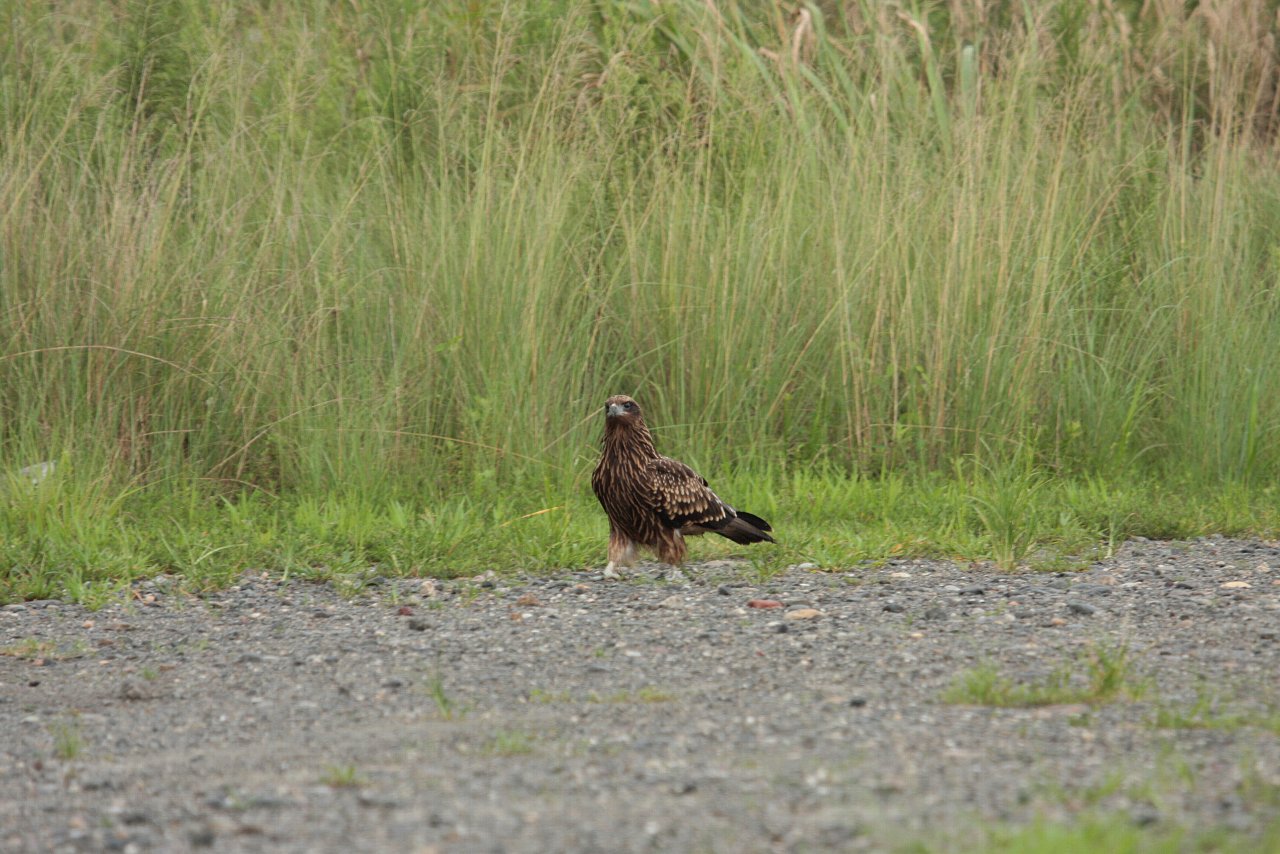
(570,713)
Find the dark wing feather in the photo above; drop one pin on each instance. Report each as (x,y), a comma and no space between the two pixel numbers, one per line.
(681,498)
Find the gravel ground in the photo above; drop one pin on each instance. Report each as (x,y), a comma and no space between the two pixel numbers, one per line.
(572,713)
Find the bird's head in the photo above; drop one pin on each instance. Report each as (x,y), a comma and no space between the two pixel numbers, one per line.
(621,410)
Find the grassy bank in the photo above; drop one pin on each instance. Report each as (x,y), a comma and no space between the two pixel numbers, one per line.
(68,537)
(319,285)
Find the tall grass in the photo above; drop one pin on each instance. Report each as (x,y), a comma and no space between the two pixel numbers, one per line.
(404,251)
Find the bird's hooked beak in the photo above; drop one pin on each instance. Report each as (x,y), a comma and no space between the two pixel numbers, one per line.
(616,410)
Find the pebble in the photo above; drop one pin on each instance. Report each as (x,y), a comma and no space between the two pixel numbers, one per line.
(1093,589)
(770,724)
(1235,585)
(803,614)
(131,689)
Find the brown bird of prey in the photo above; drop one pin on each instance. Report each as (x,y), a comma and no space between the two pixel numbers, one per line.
(654,501)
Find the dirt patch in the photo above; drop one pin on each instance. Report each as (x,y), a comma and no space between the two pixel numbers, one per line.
(576,714)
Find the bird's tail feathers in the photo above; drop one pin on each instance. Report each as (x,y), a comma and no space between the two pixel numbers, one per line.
(754,520)
(746,528)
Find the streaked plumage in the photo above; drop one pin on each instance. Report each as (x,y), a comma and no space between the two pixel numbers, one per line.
(654,501)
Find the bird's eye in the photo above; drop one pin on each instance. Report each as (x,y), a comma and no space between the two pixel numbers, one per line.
(629,405)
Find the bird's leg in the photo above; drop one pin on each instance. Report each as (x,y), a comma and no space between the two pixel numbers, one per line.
(622,552)
(671,548)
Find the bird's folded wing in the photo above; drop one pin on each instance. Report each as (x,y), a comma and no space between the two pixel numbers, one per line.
(681,498)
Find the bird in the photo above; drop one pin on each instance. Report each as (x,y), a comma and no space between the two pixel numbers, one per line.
(654,501)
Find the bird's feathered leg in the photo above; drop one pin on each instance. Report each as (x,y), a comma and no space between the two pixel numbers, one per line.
(622,552)
(671,547)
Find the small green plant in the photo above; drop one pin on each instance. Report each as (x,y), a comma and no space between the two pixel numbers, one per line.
(1207,712)
(647,694)
(68,743)
(30,648)
(149,673)
(1099,675)
(445,705)
(541,696)
(1004,499)
(342,777)
(509,743)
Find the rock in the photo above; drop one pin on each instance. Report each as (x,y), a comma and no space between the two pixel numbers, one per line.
(1093,589)
(673,603)
(893,607)
(1144,815)
(1082,608)
(972,590)
(724,590)
(803,614)
(528,600)
(1235,585)
(132,689)
(935,613)
(202,837)
(764,603)
(417,624)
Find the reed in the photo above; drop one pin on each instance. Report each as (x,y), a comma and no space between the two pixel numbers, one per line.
(377,252)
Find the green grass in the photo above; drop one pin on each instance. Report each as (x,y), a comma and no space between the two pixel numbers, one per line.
(342,777)
(1128,809)
(645,694)
(1118,833)
(317,291)
(508,743)
(821,517)
(68,743)
(1212,712)
(1100,675)
(445,704)
(35,649)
